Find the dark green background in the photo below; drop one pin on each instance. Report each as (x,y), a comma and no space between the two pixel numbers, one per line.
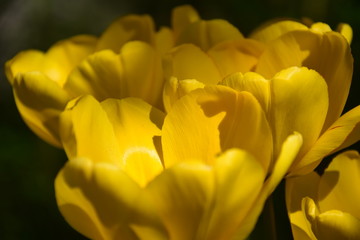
(28,166)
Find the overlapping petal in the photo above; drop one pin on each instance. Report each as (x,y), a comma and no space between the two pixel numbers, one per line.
(109,75)
(289,105)
(228,119)
(126,29)
(40,101)
(190,28)
(326,207)
(316,51)
(56,63)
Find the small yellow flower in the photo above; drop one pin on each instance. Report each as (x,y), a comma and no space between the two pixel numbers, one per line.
(128,179)
(327,206)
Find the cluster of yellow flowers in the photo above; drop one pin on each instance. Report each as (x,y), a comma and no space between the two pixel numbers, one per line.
(183,133)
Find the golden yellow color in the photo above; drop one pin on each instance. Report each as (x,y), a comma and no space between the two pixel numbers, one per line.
(327,206)
(43,83)
(301,76)
(205,175)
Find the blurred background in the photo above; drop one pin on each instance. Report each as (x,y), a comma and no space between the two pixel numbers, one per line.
(28,166)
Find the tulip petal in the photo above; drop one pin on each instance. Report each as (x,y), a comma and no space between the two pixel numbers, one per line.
(346,31)
(175,89)
(275,29)
(206,34)
(316,51)
(334,225)
(181,17)
(56,63)
(223,118)
(108,75)
(339,188)
(188,133)
(299,102)
(125,29)
(99,144)
(236,56)
(234,169)
(136,124)
(296,189)
(190,62)
(344,132)
(288,153)
(92,189)
(251,82)
(181,195)
(40,102)
(164,40)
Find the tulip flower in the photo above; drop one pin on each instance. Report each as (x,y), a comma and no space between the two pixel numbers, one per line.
(44,82)
(326,206)
(43,89)
(200,172)
(293,44)
(287,46)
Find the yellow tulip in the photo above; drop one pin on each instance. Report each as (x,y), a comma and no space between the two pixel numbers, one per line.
(188,27)
(203,176)
(43,83)
(327,206)
(290,44)
(292,106)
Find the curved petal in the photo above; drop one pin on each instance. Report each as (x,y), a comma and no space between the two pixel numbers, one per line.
(339,186)
(175,89)
(236,56)
(136,125)
(206,34)
(296,189)
(316,51)
(234,169)
(164,40)
(99,144)
(188,133)
(274,29)
(40,102)
(181,17)
(345,30)
(289,151)
(335,225)
(299,102)
(125,29)
(214,119)
(90,199)
(108,75)
(181,195)
(56,63)
(344,132)
(190,62)
(251,82)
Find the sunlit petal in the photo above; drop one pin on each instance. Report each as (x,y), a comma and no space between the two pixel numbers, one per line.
(109,75)
(344,132)
(99,144)
(299,102)
(316,51)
